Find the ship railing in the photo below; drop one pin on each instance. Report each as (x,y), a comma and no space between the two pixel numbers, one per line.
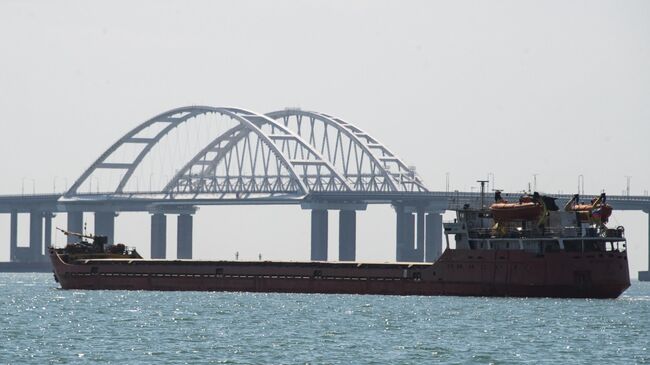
(542,233)
(480,233)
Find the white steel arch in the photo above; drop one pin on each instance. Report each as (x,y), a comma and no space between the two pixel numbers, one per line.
(200,175)
(288,164)
(368,164)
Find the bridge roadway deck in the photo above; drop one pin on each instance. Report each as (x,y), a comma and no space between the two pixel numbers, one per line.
(56,203)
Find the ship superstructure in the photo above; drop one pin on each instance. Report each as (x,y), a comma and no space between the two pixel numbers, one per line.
(535,225)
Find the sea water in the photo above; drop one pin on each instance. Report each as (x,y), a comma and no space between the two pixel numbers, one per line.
(42,324)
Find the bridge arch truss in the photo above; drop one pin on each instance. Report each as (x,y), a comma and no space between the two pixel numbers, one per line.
(367,163)
(285,154)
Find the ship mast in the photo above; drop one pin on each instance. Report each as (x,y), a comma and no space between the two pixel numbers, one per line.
(482,182)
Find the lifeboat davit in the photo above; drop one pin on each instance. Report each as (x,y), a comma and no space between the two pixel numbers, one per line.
(598,211)
(588,212)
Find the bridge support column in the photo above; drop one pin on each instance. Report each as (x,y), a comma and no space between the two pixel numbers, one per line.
(645,275)
(347,227)
(105,225)
(75,224)
(184,236)
(158,236)
(405,231)
(347,235)
(433,244)
(13,236)
(418,252)
(35,235)
(47,239)
(401,247)
(409,235)
(319,235)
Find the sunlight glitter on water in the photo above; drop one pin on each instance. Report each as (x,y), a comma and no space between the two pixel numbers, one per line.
(41,324)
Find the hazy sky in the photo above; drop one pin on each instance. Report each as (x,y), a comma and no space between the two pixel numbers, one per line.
(515,88)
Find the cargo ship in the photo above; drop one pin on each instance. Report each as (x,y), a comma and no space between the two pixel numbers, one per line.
(529,248)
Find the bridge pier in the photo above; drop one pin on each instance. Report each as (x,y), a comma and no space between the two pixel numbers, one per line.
(13,236)
(418,252)
(433,243)
(183,230)
(158,236)
(405,231)
(319,232)
(47,239)
(184,236)
(409,236)
(419,234)
(347,228)
(347,235)
(645,275)
(75,224)
(105,225)
(401,247)
(35,235)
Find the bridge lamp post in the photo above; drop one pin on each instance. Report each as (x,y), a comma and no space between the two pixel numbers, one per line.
(446,181)
(90,184)
(581,184)
(22,186)
(164,182)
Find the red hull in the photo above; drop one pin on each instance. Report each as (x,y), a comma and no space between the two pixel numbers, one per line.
(457,272)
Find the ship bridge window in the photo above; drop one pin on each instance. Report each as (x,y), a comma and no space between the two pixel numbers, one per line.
(614,246)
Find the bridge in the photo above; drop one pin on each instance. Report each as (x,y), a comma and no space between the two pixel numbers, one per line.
(203,155)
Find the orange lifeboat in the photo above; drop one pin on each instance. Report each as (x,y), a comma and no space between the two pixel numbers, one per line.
(598,211)
(502,212)
(528,208)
